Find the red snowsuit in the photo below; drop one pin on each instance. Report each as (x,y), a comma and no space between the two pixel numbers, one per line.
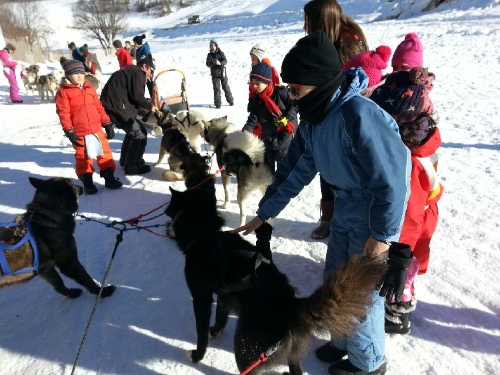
(80,109)
(422,212)
(124,57)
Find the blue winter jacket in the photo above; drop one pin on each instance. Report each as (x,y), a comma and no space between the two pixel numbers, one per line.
(142,51)
(357,149)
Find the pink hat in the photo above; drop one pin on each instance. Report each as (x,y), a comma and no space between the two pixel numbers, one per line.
(409,53)
(372,62)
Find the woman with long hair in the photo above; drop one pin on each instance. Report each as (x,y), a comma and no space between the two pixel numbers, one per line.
(349,40)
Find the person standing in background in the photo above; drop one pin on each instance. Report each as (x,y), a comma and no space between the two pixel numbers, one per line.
(216,61)
(349,40)
(142,51)
(123,56)
(75,53)
(9,71)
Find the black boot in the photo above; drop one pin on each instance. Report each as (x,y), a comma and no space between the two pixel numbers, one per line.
(110,180)
(88,184)
(124,149)
(133,160)
(323,230)
(397,316)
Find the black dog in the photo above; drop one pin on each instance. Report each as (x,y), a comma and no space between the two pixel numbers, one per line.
(51,218)
(248,283)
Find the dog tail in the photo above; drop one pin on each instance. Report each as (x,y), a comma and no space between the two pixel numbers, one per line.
(343,298)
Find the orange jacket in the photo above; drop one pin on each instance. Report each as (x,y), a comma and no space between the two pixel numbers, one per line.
(80,109)
(124,57)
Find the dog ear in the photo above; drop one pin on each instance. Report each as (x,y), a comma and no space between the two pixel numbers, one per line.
(36,182)
(172,190)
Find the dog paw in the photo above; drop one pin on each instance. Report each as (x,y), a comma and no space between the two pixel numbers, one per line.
(107,291)
(214,332)
(194,356)
(73,293)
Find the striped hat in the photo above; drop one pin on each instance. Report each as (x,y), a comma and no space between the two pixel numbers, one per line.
(73,67)
(262,72)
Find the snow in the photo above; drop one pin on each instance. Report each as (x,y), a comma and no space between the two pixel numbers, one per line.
(148,324)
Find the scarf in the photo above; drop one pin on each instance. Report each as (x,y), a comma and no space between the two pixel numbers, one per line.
(271,106)
(314,107)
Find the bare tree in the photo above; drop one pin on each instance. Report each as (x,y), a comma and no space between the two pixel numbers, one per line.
(102,19)
(27,18)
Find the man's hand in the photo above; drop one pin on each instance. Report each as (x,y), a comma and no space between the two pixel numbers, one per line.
(250,226)
(217,62)
(375,247)
(73,137)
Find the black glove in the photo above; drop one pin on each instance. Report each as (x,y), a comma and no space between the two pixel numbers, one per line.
(263,234)
(109,129)
(145,118)
(73,137)
(400,258)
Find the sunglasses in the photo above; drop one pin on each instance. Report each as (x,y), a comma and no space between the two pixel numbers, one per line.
(294,89)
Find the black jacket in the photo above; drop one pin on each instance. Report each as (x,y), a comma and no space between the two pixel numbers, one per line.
(123,95)
(259,113)
(217,71)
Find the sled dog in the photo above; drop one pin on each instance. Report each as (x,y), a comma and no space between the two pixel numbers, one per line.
(270,314)
(50,218)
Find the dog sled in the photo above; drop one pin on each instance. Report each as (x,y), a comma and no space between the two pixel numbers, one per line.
(166,94)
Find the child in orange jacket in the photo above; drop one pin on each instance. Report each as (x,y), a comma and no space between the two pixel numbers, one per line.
(83,118)
(404,95)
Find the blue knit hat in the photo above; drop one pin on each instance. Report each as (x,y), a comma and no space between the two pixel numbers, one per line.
(262,72)
(73,67)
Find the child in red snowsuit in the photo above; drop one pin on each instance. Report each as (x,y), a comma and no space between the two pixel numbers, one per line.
(124,57)
(404,95)
(83,118)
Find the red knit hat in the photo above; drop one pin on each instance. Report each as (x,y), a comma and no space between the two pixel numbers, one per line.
(409,53)
(372,62)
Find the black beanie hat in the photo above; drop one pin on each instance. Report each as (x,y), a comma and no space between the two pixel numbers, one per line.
(262,72)
(313,61)
(148,60)
(138,39)
(117,43)
(84,49)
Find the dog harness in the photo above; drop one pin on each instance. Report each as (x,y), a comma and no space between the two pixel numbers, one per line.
(27,237)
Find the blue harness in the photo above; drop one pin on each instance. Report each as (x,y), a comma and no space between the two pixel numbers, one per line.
(27,237)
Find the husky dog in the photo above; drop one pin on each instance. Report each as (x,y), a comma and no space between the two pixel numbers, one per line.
(196,172)
(271,315)
(50,215)
(242,154)
(243,157)
(47,83)
(191,123)
(174,143)
(30,76)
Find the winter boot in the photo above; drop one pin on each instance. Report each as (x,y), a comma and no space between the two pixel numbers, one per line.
(329,353)
(397,317)
(323,230)
(88,184)
(345,367)
(110,180)
(134,164)
(124,149)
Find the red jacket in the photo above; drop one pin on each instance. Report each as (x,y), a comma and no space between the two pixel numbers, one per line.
(124,57)
(80,109)
(426,188)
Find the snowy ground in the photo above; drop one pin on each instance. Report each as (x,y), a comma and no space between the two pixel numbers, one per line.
(146,327)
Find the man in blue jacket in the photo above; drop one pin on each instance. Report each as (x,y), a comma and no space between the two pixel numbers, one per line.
(356,147)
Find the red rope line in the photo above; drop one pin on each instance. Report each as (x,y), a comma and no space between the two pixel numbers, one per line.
(262,358)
